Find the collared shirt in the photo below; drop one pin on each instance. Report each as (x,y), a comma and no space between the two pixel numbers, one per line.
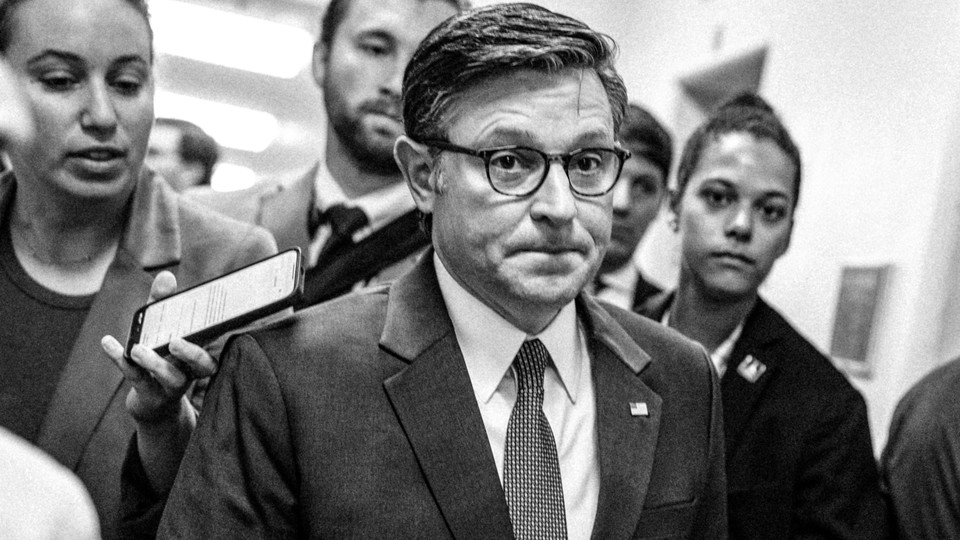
(619,286)
(381,207)
(489,344)
(720,356)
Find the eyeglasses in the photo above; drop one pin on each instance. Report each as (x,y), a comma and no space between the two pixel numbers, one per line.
(519,171)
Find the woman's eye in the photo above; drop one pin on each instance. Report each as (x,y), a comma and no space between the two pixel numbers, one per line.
(128,86)
(773,212)
(717,198)
(58,81)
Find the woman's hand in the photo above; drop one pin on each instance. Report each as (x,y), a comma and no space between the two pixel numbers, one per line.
(157,401)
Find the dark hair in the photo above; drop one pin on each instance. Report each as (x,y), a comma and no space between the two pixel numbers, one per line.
(747,113)
(337,11)
(494,40)
(8,8)
(643,135)
(196,146)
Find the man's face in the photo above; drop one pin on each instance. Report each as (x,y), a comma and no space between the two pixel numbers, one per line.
(525,257)
(163,156)
(362,71)
(735,216)
(636,201)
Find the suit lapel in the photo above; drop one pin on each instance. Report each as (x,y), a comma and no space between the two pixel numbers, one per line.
(739,394)
(90,380)
(284,212)
(434,395)
(626,443)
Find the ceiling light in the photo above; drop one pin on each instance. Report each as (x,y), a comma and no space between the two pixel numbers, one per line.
(233,126)
(230,177)
(229,39)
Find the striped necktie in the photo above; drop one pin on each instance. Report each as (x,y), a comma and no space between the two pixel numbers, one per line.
(531,470)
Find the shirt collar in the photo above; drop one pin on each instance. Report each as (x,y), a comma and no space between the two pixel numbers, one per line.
(381,206)
(489,343)
(721,355)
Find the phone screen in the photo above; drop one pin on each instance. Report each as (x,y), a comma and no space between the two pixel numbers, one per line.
(231,296)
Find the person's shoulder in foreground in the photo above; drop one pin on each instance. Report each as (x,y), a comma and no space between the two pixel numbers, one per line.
(41,499)
(921,461)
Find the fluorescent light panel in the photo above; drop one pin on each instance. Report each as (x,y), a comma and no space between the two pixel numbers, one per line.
(231,177)
(229,39)
(233,126)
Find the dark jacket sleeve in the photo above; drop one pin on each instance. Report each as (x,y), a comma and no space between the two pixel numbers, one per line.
(238,477)
(838,490)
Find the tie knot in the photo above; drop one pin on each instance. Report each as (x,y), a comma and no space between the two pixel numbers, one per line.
(529,364)
(344,220)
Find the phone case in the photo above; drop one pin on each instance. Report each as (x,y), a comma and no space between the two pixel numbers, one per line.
(216,330)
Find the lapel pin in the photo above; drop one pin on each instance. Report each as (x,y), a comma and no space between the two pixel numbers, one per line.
(638,409)
(751,369)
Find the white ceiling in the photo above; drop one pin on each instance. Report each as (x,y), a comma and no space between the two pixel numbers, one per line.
(297,103)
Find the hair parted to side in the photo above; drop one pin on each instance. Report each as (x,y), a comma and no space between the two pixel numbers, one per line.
(747,113)
(643,135)
(495,40)
(337,11)
(8,8)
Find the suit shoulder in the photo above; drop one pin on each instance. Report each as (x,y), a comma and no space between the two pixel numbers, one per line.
(669,350)
(801,359)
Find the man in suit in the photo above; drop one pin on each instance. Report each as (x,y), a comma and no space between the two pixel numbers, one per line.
(636,202)
(350,214)
(482,395)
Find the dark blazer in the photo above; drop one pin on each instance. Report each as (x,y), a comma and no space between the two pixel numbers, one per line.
(800,462)
(284,208)
(86,427)
(357,419)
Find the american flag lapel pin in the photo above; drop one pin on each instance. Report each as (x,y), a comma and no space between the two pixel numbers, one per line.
(638,409)
(751,369)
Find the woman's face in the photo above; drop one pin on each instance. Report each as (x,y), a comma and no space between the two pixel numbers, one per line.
(735,216)
(85,68)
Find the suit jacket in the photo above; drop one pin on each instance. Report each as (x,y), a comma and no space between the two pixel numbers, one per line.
(86,427)
(284,208)
(800,462)
(357,419)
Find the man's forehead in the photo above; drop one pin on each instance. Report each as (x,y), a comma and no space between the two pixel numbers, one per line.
(394,17)
(519,104)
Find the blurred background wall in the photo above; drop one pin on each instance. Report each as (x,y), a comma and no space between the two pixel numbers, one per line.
(868,89)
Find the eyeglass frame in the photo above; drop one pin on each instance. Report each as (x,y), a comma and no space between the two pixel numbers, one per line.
(564,158)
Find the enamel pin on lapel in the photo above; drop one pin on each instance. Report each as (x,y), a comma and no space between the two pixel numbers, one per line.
(638,409)
(751,369)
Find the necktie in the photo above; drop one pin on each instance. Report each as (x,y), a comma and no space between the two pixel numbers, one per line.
(344,221)
(531,470)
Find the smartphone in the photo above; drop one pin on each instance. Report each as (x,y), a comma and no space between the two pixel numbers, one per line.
(230,301)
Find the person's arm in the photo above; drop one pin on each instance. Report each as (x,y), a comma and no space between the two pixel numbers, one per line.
(921,470)
(837,492)
(238,478)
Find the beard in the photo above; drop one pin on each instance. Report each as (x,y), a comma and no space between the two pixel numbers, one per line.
(371,148)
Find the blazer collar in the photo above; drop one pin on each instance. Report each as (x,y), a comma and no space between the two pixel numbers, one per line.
(433,394)
(89,382)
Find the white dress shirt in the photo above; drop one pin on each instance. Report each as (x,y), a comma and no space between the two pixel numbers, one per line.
(381,207)
(489,344)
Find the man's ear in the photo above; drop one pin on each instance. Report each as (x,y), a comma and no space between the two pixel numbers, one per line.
(416,165)
(319,62)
